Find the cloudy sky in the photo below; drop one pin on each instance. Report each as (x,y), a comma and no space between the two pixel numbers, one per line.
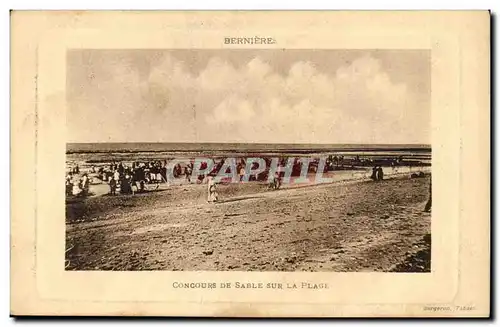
(270,96)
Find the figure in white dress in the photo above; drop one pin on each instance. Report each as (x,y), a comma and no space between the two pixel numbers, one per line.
(212,190)
(77,190)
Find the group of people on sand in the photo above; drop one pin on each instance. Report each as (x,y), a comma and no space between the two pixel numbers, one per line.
(132,178)
(150,172)
(377,173)
(77,185)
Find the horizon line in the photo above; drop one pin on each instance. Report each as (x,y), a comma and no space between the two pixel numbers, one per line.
(288,143)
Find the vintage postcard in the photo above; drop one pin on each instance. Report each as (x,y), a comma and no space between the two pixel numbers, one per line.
(250,164)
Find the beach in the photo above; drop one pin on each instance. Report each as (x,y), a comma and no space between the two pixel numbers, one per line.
(343,226)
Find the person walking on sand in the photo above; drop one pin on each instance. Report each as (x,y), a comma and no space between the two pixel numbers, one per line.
(126,184)
(76,186)
(212,190)
(380,173)
(116,175)
(276,181)
(112,186)
(188,171)
(69,184)
(242,173)
(428,205)
(85,184)
(374,173)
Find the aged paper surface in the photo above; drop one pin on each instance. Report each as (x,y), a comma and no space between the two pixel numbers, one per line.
(254,82)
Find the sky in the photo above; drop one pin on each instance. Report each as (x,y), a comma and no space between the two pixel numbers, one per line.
(251,96)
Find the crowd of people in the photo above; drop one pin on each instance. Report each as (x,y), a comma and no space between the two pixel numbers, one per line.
(134,177)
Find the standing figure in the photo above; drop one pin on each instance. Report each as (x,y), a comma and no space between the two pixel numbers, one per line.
(137,179)
(76,186)
(336,161)
(374,173)
(163,174)
(428,205)
(103,174)
(152,174)
(276,181)
(126,184)
(242,173)
(188,171)
(121,169)
(380,173)
(112,186)
(212,190)
(85,184)
(69,184)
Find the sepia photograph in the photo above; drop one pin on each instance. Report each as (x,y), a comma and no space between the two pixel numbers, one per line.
(248,160)
(250,163)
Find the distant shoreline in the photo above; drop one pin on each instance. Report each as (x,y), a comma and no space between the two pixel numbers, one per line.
(75,148)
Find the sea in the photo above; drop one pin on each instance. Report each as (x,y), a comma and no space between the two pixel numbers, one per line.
(241,147)
(89,154)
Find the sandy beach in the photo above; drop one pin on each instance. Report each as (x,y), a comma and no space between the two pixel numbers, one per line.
(342,226)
